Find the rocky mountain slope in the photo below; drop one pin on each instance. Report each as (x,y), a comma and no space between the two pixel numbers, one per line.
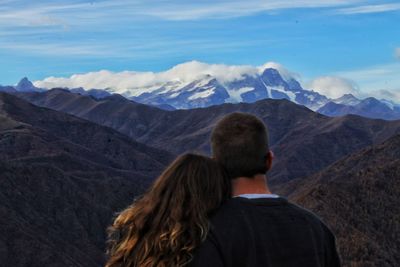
(61,180)
(62,177)
(358,197)
(208,91)
(303,141)
(369,107)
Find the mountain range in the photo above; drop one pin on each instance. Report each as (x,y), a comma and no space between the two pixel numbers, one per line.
(68,162)
(296,132)
(369,107)
(204,90)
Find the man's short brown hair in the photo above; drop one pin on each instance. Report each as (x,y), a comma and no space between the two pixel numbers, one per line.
(239,142)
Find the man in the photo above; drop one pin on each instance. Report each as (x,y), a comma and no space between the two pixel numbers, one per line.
(256,227)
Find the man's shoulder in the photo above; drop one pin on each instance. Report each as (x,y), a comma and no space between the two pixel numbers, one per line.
(236,210)
(272,226)
(309,215)
(304,212)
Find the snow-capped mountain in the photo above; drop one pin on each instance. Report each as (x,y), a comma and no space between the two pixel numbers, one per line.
(271,84)
(195,84)
(392,105)
(347,99)
(209,90)
(369,107)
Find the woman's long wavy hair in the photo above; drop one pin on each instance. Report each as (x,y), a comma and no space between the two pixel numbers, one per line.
(166,224)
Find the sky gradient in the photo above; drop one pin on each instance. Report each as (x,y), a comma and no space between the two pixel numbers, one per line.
(352,44)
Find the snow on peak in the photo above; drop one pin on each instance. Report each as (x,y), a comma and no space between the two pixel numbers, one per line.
(285,73)
(347,99)
(235,96)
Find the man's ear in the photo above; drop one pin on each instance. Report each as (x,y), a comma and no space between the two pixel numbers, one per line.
(270,158)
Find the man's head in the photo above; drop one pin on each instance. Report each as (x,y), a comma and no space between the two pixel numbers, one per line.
(240,143)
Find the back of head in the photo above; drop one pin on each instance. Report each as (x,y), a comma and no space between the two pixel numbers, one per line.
(239,142)
(165,225)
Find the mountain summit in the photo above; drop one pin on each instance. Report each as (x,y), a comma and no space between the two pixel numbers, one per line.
(26,85)
(211,90)
(197,85)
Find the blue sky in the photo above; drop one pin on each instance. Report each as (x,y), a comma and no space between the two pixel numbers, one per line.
(354,40)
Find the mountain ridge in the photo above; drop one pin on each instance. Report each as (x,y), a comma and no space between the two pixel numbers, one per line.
(357,197)
(369,107)
(64,177)
(208,86)
(62,180)
(295,131)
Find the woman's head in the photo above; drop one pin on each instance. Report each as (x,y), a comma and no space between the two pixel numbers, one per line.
(165,225)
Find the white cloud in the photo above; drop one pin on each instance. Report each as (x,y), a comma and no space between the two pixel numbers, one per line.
(185,72)
(369,9)
(379,81)
(285,73)
(50,13)
(36,15)
(192,70)
(391,95)
(229,9)
(333,87)
(375,78)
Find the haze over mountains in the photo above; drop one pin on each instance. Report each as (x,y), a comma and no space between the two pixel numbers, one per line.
(195,84)
(69,161)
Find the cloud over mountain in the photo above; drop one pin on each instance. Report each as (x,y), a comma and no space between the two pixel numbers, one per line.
(333,87)
(393,95)
(196,84)
(185,72)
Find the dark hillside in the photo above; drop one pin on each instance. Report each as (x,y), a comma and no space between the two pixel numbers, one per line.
(61,180)
(358,197)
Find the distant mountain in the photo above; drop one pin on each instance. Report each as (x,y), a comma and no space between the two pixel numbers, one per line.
(347,99)
(63,177)
(303,141)
(61,180)
(208,90)
(96,93)
(7,89)
(369,107)
(24,85)
(358,196)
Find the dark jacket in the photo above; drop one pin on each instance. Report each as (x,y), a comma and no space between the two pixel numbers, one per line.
(266,232)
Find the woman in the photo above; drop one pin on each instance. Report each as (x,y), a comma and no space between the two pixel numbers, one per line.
(165,225)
